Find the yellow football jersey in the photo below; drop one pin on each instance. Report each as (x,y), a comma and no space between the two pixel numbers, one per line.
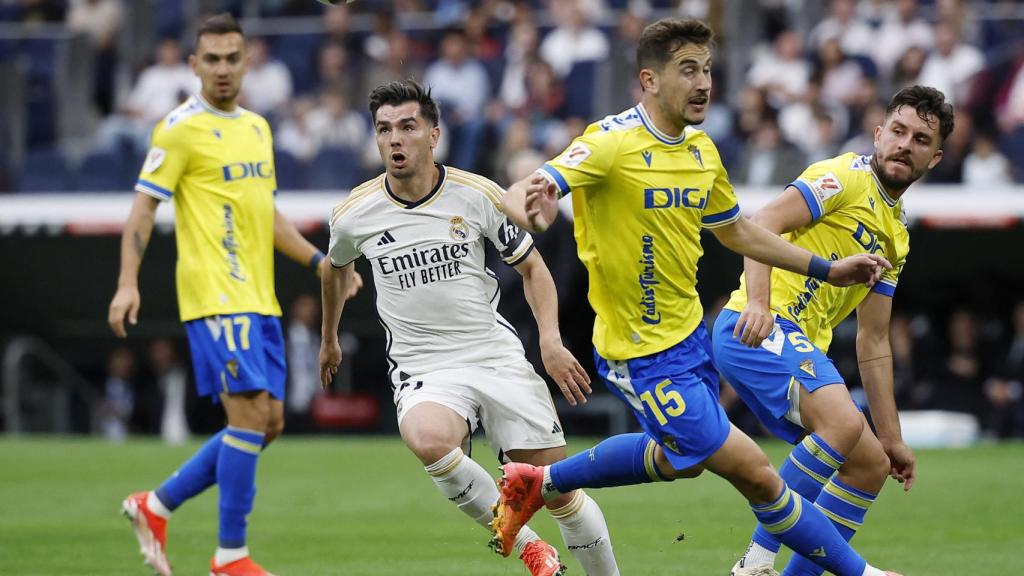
(640,199)
(851,214)
(219,169)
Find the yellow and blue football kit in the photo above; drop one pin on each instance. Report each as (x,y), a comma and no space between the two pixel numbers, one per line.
(218,168)
(851,213)
(640,200)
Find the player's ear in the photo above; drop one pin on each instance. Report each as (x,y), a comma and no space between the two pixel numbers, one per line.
(935,159)
(192,61)
(648,80)
(878,135)
(435,135)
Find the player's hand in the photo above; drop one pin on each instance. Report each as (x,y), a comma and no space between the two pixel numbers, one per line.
(355,283)
(561,365)
(901,459)
(863,269)
(755,324)
(126,301)
(541,203)
(330,359)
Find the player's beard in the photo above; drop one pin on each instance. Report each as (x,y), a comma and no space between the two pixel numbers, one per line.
(891,183)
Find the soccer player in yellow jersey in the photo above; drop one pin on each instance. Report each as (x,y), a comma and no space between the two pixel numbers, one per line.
(771,339)
(644,183)
(215,160)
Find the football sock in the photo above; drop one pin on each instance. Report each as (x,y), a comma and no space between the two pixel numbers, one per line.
(585,534)
(236,477)
(809,466)
(467,485)
(617,461)
(228,555)
(197,474)
(156,506)
(808,532)
(846,507)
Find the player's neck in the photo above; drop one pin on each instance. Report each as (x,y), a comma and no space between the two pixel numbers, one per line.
(413,189)
(227,106)
(660,119)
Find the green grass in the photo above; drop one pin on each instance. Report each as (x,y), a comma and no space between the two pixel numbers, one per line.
(348,506)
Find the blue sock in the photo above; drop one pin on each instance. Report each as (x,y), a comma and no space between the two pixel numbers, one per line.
(197,474)
(236,476)
(809,466)
(621,460)
(846,507)
(808,532)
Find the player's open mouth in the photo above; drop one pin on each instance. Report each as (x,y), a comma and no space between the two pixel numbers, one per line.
(398,158)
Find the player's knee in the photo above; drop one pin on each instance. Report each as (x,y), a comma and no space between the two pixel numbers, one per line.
(274,429)
(842,430)
(430,448)
(877,463)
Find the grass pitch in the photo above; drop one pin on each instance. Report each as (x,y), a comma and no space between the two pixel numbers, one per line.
(363,506)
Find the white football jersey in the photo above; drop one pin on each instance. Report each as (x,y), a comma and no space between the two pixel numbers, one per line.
(436,299)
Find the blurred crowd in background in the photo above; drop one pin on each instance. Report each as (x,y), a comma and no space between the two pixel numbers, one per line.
(796,81)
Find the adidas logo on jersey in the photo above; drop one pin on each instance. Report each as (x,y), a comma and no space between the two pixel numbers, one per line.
(385,239)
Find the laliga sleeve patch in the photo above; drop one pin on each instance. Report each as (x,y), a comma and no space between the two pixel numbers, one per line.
(575,155)
(154,159)
(826,187)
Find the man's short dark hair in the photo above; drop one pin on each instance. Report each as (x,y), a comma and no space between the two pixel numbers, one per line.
(223,23)
(399,92)
(928,102)
(661,39)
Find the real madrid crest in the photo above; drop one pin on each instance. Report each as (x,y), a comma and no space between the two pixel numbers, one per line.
(458,231)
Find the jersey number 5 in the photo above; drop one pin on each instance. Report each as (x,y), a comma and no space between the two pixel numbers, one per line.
(672,401)
(243,323)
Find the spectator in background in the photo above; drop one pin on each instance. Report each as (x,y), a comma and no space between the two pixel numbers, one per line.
(854,35)
(908,68)
(573,40)
(769,160)
(960,385)
(781,71)
(295,134)
(461,86)
(483,45)
(333,70)
(954,149)
(952,64)
(901,30)
(375,46)
(840,76)
(520,51)
(337,21)
(101,20)
(333,124)
(171,379)
(303,361)
(267,86)
(984,167)
(864,141)
(118,395)
(399,64)
(1004,392)
(159,89)
(622,61)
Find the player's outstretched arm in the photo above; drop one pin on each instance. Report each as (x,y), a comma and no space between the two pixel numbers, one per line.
(531,203)
(753,241)
(874,357)
(564,369)
(137,231)
(336,285)
(785,213)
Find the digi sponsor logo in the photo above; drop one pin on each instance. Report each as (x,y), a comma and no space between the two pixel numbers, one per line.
(659,198)
(243,170)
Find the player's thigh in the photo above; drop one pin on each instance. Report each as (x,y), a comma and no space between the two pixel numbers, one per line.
(249,410)
(742,462)
(517,413)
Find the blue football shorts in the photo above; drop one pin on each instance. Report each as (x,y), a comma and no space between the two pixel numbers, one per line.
(674,395)
(235,353)
(768,378)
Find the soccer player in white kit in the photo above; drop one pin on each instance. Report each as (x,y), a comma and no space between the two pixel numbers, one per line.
(454,362)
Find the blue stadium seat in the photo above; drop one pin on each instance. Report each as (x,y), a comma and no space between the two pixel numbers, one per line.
(334,169)
(299,54)
(45,170)
(105,171)
(289,171)
(579,98)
